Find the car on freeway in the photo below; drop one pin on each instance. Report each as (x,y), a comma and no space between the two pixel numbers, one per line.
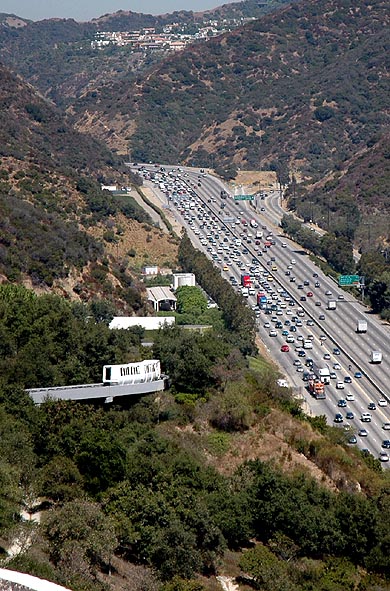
(338,418)
(272,333)
(318,303)
(350,397)
(306,282)
(309,294)
(363,433)
(384,456)
(293,329)
(371,406)
(386,426)
(303,298)
(326,356)
(290,339)
(293,261)
(317,284)
(333,375)
(301,353)
(310,322)
(365,417)
(352,440)
(358,375)
(321,317)
(340,297)
(347,380)
(349,415)
(336,351)
(300,368)
(284,333)
(382,402)
(297,362)
(285,348)
(386,443)
(315,274)
(328,293)
(336,366)
(342,403)
(340,385)
(267,324)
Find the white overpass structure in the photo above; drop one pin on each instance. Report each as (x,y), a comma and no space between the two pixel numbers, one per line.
(95,391)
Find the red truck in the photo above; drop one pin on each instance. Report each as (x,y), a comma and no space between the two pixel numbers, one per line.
(246,280)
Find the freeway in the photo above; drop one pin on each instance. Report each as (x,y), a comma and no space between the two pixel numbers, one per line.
(300,292)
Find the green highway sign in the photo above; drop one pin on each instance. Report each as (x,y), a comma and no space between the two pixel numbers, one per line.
(349,280)
(244,197)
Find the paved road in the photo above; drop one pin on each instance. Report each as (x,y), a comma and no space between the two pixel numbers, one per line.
(339,325)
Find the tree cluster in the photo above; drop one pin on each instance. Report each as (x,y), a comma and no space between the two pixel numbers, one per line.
(336,250)
(238,318)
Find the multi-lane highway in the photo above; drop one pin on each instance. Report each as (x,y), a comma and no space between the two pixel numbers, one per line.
(299,293)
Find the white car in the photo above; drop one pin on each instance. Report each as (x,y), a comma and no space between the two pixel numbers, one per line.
(366,417)
(386,426)
(384,456)
(272,333)
(336,366)
(290,339)
(382,402)
(350,397)
(340,385)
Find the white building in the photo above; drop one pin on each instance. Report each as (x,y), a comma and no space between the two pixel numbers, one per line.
(162,298)
(150,270)
(180,279)
(147,322)
(109,187)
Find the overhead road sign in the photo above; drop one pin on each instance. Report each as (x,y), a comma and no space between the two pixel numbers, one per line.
(349,280)
(244,197)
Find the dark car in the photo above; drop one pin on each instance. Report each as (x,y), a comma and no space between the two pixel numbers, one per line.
(386,443)
(338,418)
(352,440)
(371,406)
(349,415)
(303,298)
(348,380)
(342,403)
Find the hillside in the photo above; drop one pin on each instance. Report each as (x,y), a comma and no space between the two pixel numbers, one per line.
(57,226)
(362,182)
(286,87)
(55,55)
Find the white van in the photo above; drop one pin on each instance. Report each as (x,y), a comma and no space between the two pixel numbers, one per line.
(307,344)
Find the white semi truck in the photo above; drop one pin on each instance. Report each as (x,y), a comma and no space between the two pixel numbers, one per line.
(361,326)
(376,356)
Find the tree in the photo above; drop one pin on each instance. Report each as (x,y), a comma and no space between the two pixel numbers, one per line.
(191,300)
(269,573)
(61,480)
(80,537)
